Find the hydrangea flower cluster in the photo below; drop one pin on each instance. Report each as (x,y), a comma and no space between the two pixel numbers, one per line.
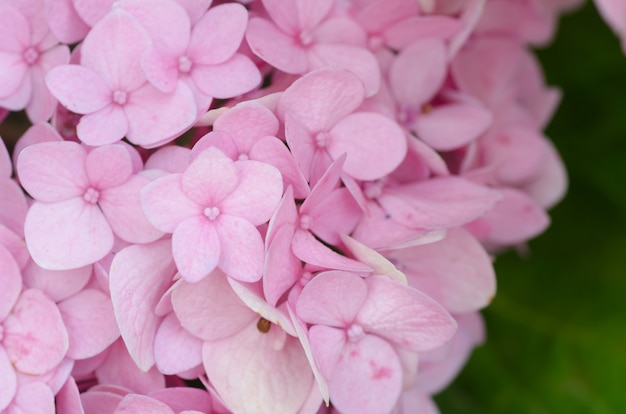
(262,206)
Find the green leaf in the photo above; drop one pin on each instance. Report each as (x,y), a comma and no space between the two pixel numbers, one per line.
(557,327)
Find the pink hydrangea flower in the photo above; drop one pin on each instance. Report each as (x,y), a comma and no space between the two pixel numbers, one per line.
(82,201)
(110,89)
(356,345)
(27,52)
(300,38)
(212,210)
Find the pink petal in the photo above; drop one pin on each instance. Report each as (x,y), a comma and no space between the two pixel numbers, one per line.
(367,378)
(517,152)
(295,17)
(452,126)
(9,379)
(112,49)
(217,35)
(378,15)
(108,166)
(43,104)
(515,219)
(6,169)
(550,184)
(375,145)
(270,368)
(275,47)
(15,246)
(282,268)
(308,249)
(439,202)
(321,98)
(147,124)
(100,402)
(200,308)
(357,60)
(138,404)
(161,69)
(31,349)
(170,158)
(105,126)
(302,145)
(404,316)
(91,11)
(407,31)
(11,283)
(242,251)
(67,235)
(252,297)
(456,271)
(139,277)
(53,171)
(332,298)
(170,338)
(210,178)
(90,322)
(418,72)
(153,15)
(220,140)
(184,398)
(379,264)
(165,204)
(78,88)
(233,77)
(197,248)
(257,193)
(274,152)
(68,399)
(122,208)
(64,21)
(58,285)
(119,369)
(32,398)
(324,186)
(246,123)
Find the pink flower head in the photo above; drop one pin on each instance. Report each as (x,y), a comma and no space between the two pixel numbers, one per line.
(358,327)
(82,201)
(25,348)
(245,353)
(111,92)
(203,57)
(212,210)
(321,125)
(27,52)
(304,36)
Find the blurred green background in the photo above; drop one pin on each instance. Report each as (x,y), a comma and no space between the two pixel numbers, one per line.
(557,327)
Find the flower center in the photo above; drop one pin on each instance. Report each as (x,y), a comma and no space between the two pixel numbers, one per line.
(263,325)
(30,55)
(306,222)
(306,38)
(91,195)
(212,212)
(243,157)
(120,97)
(322,139)
(1,333)
(355,332)
(184,64)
